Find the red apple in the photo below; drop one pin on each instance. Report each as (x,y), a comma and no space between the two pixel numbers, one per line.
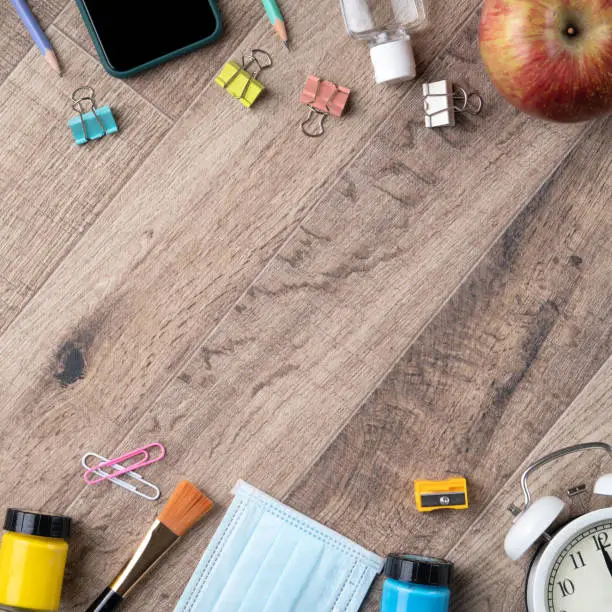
(550,58)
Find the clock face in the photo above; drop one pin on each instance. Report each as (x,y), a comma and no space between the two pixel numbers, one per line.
(581,576)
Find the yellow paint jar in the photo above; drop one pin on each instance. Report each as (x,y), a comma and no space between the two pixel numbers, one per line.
(32,561)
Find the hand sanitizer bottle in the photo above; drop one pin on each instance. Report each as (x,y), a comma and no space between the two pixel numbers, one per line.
(386,26)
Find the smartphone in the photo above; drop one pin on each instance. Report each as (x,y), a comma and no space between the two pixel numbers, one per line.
(134,35)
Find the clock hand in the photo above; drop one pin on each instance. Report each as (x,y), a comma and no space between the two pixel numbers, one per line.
(608,559)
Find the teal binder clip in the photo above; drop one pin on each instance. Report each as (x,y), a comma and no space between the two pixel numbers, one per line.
(92,123)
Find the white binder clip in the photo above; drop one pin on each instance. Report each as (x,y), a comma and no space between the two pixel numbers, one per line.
(442,101)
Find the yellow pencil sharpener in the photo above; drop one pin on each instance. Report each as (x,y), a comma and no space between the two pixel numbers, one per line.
(441,494)
(241,81)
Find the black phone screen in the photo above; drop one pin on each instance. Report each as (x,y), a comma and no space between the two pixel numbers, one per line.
(135,32)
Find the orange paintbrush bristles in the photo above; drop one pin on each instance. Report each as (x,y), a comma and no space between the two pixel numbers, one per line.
(186,506)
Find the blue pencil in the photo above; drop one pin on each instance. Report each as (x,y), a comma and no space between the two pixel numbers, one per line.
(37,34)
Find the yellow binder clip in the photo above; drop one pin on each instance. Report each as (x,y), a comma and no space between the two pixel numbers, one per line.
(241,81)
(441,494)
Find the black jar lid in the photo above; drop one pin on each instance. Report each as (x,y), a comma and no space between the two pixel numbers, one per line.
(32,523)
(419,570)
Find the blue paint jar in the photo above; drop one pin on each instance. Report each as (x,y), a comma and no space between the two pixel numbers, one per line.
(416,584)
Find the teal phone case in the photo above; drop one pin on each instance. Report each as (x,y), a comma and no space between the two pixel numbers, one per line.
(160,60)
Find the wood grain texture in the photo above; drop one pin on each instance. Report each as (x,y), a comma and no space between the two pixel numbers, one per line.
(51,191)
(15,41)
(487,580)
(235,290)
(288,366)
(172,87)
(185,227)
(484,383)
(188,228)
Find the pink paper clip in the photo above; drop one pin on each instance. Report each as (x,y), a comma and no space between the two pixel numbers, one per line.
(323,98)
(144,460)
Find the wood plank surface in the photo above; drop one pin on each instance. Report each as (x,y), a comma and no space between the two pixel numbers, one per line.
(51,190)
(15,41)
(185,226)
(164,228)
(173,86)
(487,379)
(325,50)
(288,366)
(215,280)
(487,580)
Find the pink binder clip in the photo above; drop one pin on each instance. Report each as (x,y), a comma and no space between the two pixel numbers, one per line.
(323,98)
(143,459)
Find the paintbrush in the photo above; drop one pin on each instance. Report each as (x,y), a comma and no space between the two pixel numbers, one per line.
(184,509)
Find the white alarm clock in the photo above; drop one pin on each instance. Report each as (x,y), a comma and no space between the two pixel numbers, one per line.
(572,571)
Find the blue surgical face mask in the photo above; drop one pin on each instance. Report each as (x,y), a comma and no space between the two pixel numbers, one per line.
(266,557)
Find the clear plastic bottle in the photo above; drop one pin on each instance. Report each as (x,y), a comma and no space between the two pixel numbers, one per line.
(386,26)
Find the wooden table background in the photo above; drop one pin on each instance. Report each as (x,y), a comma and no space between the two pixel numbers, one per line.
(328,319)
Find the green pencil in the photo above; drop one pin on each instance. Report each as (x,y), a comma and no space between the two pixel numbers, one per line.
(277,20)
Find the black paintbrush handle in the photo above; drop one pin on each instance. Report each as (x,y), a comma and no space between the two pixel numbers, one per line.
(108,601)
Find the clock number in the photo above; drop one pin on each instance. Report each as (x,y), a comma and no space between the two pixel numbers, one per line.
(601,541)
(578,560)
(567,587)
